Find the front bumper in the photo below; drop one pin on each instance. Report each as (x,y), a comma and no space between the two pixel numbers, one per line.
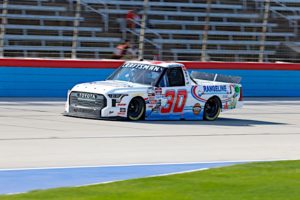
(95,106)
(86,105)
(83,112)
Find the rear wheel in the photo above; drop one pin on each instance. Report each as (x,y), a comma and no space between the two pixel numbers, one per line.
(212,109)
(136,109)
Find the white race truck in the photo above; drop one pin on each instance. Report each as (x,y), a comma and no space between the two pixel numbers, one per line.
(155,91)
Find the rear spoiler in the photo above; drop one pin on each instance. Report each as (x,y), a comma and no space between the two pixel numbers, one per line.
(215,77)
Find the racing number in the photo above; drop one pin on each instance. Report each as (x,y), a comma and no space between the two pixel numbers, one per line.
(179,103)
(170,95)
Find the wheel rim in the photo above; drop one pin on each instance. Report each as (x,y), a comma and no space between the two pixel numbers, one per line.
(211,108)
(135,109)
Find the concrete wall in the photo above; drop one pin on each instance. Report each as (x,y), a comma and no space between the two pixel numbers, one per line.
(52,78)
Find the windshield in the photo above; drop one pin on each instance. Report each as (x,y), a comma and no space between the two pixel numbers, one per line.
(138,73)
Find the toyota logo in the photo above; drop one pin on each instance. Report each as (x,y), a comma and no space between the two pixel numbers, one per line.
(86,96)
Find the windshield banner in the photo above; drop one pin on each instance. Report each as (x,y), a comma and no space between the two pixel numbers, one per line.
(143,67)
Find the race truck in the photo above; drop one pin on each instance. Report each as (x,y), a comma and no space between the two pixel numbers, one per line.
(144,90)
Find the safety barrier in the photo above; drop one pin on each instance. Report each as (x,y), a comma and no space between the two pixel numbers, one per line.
(52,78)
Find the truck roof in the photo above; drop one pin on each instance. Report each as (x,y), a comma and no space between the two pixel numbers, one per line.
(158,63)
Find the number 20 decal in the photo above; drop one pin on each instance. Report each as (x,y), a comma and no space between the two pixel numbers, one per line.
(179,102)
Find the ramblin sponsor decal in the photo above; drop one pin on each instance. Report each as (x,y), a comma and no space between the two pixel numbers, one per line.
(214,88)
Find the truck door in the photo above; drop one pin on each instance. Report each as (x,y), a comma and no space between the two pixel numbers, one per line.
(174,92)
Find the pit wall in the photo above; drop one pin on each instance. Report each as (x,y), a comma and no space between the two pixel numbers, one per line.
(53,78)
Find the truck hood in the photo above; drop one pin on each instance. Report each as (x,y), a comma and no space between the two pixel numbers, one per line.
(109,86)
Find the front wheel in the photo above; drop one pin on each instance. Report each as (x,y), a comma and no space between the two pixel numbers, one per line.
(212,109)
(136,109)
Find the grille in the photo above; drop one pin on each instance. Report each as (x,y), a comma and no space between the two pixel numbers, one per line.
(88,100)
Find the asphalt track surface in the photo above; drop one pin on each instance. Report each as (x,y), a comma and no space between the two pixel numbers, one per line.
(34,134)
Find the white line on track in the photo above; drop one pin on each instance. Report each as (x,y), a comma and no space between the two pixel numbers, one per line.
(141,164)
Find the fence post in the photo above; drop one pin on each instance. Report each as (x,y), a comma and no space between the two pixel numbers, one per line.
(75,29)
(264,30)
(205,33)
(142,32)
(2,29)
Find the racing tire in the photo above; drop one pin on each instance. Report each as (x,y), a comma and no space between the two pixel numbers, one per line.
(212,109)
(136,109)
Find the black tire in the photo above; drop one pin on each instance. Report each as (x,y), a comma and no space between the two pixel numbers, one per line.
(136,109)
(212,109)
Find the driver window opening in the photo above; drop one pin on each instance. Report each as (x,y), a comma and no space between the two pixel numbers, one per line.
(174,77)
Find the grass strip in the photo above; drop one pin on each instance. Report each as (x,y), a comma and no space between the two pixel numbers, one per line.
(254,181)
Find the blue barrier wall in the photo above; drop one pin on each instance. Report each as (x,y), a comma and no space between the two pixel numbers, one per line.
(44,82)
(54,82)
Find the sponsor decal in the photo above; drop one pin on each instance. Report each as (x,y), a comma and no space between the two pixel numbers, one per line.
(143,67)
(111,112)
(214,89)
(153,102)
(156,108)
(158,91)
(231,89)
(236,90)
(122,110)
(121,104)
(197,92)
(151,92)
(226,105)
(197,109)
(231,102)
(151,98)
